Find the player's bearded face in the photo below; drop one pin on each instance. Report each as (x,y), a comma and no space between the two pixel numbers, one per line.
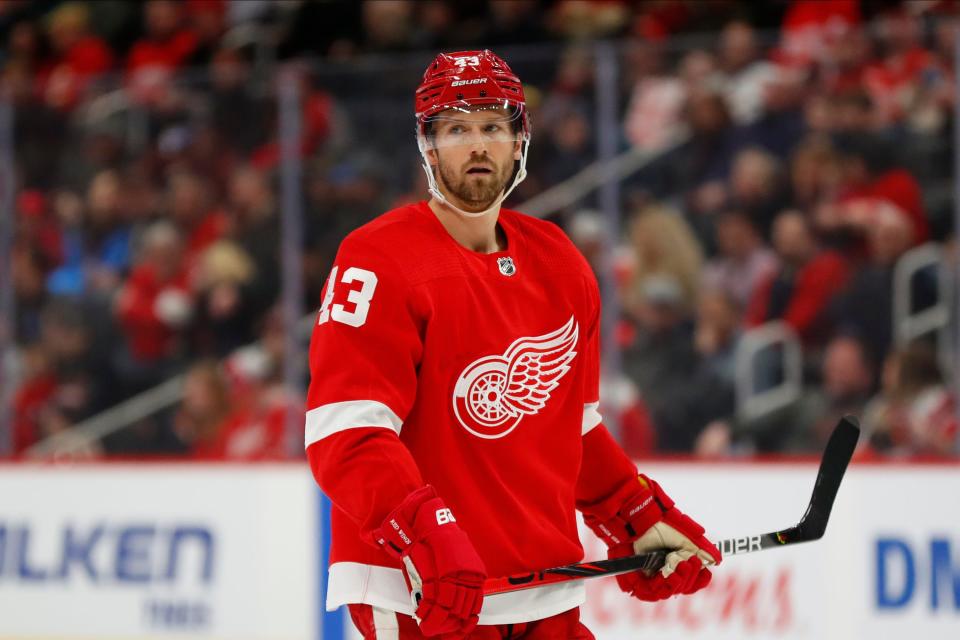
(475,156)
(476,182)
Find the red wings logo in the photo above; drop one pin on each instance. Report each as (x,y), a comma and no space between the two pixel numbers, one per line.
(493,393)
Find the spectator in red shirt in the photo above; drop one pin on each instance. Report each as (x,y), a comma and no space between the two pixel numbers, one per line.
(220,420)
(619,396)
(37,228)
(35,391)
(800,290)
(809,26)
(895,82)
(155,305)
(207,20)
(871,193)
(78,55)
(318,112)
(166,46)
(914,412)
(258,429)
(865,306)
(845,61)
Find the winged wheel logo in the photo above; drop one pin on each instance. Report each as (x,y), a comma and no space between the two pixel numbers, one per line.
(492,394)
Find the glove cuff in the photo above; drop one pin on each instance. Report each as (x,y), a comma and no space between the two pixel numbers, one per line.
(640,510)
(665,502)
(411,521)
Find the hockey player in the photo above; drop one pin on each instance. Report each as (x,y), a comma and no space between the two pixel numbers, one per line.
(453,407)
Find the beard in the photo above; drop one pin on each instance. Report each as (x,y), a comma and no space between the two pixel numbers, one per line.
(478,191)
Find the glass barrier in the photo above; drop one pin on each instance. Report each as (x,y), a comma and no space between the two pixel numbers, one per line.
(171,234)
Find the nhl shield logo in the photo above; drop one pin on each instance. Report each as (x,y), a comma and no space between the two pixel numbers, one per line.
(506,265)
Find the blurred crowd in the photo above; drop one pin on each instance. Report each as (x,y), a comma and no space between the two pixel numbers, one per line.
(799,148)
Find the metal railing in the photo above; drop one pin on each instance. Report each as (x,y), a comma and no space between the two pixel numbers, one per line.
(752,402)
(910,323)
(144,404)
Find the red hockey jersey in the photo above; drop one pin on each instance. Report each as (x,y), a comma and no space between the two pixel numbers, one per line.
(476,373)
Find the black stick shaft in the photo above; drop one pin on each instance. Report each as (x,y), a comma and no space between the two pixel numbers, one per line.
(833,465)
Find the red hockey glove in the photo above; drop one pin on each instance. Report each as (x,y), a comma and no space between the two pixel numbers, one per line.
(649,521)
(443,571)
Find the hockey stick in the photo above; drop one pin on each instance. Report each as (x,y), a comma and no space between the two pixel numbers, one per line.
(837,454)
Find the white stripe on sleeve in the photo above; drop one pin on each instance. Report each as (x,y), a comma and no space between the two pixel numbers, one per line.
(332,418)
(591,417)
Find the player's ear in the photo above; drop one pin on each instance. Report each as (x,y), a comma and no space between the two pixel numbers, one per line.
(431,154)
(517,149)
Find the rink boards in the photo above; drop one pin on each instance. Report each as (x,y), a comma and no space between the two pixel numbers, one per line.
(180,551)
(887,568)
(232,552)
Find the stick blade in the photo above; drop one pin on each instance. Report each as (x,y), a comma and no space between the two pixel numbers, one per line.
(836,456)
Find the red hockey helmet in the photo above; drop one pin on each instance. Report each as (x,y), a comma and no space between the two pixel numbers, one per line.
(469,79)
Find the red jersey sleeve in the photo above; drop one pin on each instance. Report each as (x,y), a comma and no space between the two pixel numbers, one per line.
(607,474)
(364,353)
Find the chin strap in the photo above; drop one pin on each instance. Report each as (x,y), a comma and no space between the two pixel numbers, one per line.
(434,188)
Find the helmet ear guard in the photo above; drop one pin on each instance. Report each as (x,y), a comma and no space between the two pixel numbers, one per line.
(468,81)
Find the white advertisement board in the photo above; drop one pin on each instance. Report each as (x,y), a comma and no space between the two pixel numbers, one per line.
(230,552)
(158,551)
(888,567)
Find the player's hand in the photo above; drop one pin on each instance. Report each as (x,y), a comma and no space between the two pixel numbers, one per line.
(649,521)
(443,570)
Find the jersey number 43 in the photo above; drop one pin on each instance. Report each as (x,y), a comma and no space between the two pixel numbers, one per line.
(359,298)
